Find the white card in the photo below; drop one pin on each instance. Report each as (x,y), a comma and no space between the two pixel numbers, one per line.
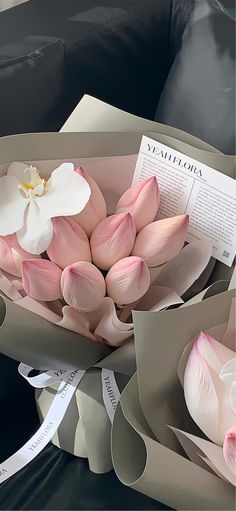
(190,187)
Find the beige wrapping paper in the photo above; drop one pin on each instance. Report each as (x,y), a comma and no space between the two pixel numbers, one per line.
(145,452)
(31,339)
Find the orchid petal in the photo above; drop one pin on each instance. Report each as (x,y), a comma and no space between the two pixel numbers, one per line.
(162,240)
(17,169)
(12,206)
(95,210)
(83,286)
(141,201)
(205,394)
(112,239)
(128,280)
(67,193)
(229,450)
(41,279)
(181,272)
(36,235)
(67,233)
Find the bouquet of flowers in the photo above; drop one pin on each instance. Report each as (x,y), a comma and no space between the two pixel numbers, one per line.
(85,271)
(73,274)
(80,249)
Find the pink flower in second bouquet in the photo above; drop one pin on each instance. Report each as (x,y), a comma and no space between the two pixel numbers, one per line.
(112,239)
(128,280)
(162,240)
(12,255)
(41,279)
(229,449)
(142,201)
(69,243)
(206,394)
(83,286)
(95,210)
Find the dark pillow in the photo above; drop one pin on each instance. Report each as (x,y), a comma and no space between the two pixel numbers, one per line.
(199,94)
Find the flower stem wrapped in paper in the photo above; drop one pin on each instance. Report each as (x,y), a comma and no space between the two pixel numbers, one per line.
(79,250)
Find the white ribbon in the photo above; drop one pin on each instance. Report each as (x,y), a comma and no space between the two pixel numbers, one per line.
(44,379)
(42,437)
(69,382)
(110,392)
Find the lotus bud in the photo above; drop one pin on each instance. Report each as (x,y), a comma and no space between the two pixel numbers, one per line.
(112,239)
(83,286)
(41,279)
(12,255)
(229,449)
(206,394)
(95,210)
(69,243)
(128,280)
(162,240)
(142,201)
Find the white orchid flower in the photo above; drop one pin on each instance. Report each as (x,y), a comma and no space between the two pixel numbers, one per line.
(28,202)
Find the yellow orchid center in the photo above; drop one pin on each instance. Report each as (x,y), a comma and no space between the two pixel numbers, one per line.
(33,183)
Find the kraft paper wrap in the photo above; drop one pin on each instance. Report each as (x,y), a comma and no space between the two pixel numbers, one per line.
(29,338)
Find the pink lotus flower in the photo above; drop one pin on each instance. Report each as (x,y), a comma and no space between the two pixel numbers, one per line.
(162,240)
(12,255)
(95,210)
(41,279)
(206,394)
(141,201)
(83,286)
(128,280)
(69,243)
(229,449)
(112,239)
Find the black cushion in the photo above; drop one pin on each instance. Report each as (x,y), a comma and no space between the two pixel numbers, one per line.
(199,95)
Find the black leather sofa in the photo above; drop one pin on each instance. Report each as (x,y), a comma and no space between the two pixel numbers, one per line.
(54,51)
(51,53)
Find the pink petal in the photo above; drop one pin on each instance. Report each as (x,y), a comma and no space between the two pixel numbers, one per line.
(141,201)
(205,394)
(12,255)
(69,243)
(229,450)
(128,280)
(95,210)
(83,286)
(214,352)
(41,279)
(112,239)
(162,240)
